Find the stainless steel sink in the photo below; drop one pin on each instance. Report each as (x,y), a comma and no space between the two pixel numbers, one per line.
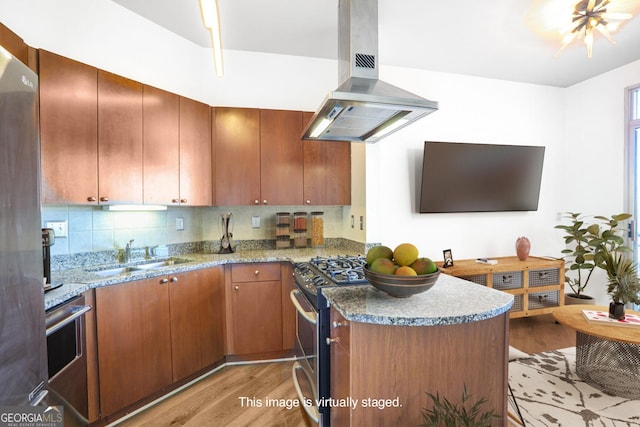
(115,271)
(160,264)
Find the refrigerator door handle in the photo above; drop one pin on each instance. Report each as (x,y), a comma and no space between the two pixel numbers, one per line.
(75,312)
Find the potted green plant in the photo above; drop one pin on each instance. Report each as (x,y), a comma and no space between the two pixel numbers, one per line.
(590,242)
(623,284)
(578,258)
(445,413)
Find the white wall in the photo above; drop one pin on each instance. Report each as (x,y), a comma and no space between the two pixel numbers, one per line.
(586,119)
(594,152)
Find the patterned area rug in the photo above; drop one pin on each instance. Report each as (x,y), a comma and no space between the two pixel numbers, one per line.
(548,392)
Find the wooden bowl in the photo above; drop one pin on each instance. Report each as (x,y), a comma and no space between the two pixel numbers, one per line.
(401,286)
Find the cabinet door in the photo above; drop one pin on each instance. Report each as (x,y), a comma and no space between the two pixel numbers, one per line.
(119,139)
(281,157)
(197,302)
(195,153)
(160,117)
(68,130)
(327,171)
(257,317)
(134,341)
(237,168)
(14,44)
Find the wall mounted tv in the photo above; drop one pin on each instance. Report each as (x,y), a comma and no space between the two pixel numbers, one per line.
(461,177)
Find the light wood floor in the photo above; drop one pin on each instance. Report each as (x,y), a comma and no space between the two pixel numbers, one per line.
(217,399)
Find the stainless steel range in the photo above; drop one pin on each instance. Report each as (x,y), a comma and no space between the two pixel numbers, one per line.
(311,373)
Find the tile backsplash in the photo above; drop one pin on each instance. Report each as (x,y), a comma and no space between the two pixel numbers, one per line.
(93,229)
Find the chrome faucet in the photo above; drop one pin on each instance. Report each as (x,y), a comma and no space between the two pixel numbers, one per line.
(127,251)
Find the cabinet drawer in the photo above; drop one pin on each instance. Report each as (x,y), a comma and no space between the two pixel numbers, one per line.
(480,279)
(544,299)
(340,329)
(256,272)
(507,280)
(549,276)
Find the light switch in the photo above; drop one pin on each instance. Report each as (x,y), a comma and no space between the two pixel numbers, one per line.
(179,224)
(60,228)
(255,221)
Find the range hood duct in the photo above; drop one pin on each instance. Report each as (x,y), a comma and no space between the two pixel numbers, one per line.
(363,108)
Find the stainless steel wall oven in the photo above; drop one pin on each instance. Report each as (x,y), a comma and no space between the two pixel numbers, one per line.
(67,360)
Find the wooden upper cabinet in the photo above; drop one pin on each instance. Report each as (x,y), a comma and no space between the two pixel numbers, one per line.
(14,44)
(161,112)
(195,153)
(119,139)
(281,157)
(68,130)
(237,156)
(327,171)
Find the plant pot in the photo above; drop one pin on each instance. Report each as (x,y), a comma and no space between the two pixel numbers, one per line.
(572,299)
(616,310)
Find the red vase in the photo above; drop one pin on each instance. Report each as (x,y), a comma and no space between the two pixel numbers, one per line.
(523,245)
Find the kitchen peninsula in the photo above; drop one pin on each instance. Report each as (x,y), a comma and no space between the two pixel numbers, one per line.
(395,350)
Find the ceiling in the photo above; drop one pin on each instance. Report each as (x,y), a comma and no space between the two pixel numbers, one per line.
(502,39)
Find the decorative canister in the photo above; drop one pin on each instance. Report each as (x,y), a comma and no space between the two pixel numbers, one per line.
(523,246)
(317,229)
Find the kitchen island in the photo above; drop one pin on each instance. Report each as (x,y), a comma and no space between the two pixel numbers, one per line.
(387,353)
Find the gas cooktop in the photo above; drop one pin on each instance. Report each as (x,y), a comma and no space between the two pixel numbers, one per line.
(341,270)
(321,272)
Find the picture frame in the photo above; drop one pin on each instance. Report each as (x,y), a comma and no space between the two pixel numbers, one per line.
(448,258)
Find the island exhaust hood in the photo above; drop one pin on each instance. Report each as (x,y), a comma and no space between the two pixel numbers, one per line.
(363,108)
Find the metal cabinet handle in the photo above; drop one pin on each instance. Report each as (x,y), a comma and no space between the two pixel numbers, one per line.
(338,324)
(256,272)
(163,281)
(308,202)
(264,202)
(174,279)
(104,199)
(256,202)
(309,315)
(91,199)
(75,312)
(236,287)
(332,340)
(183,200)
(312,411)
(175,201)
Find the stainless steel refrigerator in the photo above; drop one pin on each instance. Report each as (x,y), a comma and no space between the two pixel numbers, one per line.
(23,357)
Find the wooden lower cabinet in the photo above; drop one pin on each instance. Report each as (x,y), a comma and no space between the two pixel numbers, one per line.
(134,342)
(260,316)
(197,319)
(152,333)
(399,364)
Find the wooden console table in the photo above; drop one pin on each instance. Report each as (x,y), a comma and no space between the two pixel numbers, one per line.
(607,356)
(536,284)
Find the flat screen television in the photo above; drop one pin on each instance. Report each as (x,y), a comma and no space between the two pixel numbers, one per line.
(461,177)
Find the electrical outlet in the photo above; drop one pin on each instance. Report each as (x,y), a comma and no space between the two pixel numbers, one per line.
(255,221)
(60,228)
(361,222)
(353,221)
(179,224)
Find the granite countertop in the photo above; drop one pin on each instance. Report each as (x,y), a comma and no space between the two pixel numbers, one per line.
(78,280)
(450,301)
